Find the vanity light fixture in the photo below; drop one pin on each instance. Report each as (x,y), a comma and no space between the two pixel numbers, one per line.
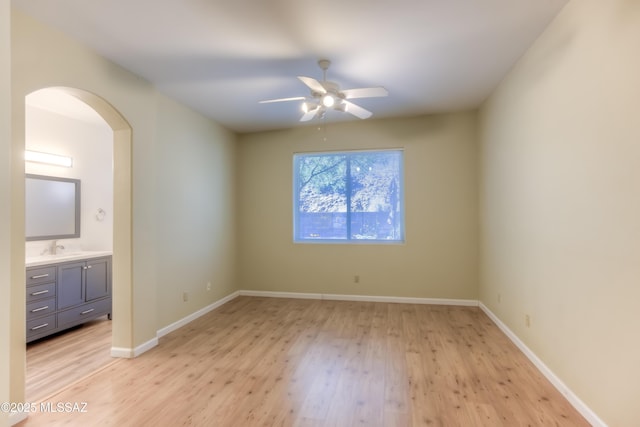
(48,158)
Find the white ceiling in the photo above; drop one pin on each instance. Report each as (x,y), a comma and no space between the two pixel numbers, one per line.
(221,57)
(59,102)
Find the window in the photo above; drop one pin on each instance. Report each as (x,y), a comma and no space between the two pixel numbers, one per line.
(348,196)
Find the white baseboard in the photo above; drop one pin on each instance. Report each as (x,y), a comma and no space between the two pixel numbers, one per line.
(575,401)
(401,300)
(193,316)
(128,353)
(16,417)
(144,347)
(362,298)
(122,352)
(271,294)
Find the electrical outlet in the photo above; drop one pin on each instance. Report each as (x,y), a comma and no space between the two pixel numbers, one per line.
(527,320)
(185,296)
(499,298)
(208,286)
(356,279)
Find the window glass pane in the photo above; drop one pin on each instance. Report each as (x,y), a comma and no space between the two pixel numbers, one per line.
(348,196)
(375,201)
(322,199)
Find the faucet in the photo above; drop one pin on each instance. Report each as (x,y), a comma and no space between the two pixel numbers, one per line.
(54,247)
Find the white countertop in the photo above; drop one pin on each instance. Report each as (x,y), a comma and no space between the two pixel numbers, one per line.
(62,257)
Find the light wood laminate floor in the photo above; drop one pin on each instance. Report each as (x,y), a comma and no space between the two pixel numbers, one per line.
(286,362)
(56,361)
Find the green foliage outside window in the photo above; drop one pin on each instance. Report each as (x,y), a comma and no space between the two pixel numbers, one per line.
(348,196)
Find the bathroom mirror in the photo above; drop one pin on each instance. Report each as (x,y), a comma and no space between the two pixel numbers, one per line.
(52,207)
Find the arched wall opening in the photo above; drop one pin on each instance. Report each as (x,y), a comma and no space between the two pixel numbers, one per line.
(122,329)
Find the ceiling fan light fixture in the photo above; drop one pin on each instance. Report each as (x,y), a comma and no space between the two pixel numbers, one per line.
(328,100)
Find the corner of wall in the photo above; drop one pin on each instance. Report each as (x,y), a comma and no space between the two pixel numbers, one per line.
(5,203)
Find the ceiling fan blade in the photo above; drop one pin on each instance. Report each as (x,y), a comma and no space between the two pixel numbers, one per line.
(269,101)
(313,84)
(365,92)
(308,115)
(356,110)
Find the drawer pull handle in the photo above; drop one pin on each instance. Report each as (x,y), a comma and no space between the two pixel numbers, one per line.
(44,325)
(46,291)
(40,276)
(88,311)
(35,310)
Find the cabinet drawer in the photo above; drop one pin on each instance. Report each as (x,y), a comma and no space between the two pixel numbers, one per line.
(41,308)
(46,290)
(41,325)
(41,275)
(86,311)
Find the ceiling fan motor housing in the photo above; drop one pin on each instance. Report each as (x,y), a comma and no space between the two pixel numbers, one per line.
(324,64)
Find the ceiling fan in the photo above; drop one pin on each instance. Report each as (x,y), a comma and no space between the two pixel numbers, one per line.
(326,95)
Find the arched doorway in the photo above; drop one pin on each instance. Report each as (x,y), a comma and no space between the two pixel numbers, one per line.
(122,331)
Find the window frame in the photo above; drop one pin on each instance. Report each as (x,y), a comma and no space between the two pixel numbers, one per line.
(348,240)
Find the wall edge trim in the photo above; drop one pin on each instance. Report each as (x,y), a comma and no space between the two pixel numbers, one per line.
(573,399)
(122,352)
(193,316)
(363,298)
(17,417)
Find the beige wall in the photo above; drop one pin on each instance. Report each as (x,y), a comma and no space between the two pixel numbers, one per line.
(560,206)
(42,57)
(5,205)
(439,258)
(195,211)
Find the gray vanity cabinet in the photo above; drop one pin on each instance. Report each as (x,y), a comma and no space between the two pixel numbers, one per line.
(71,284)
(66,294)
(41,302)
(98,279)
(83,281)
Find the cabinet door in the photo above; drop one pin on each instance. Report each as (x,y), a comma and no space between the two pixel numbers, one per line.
(70,281)
(98,277)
